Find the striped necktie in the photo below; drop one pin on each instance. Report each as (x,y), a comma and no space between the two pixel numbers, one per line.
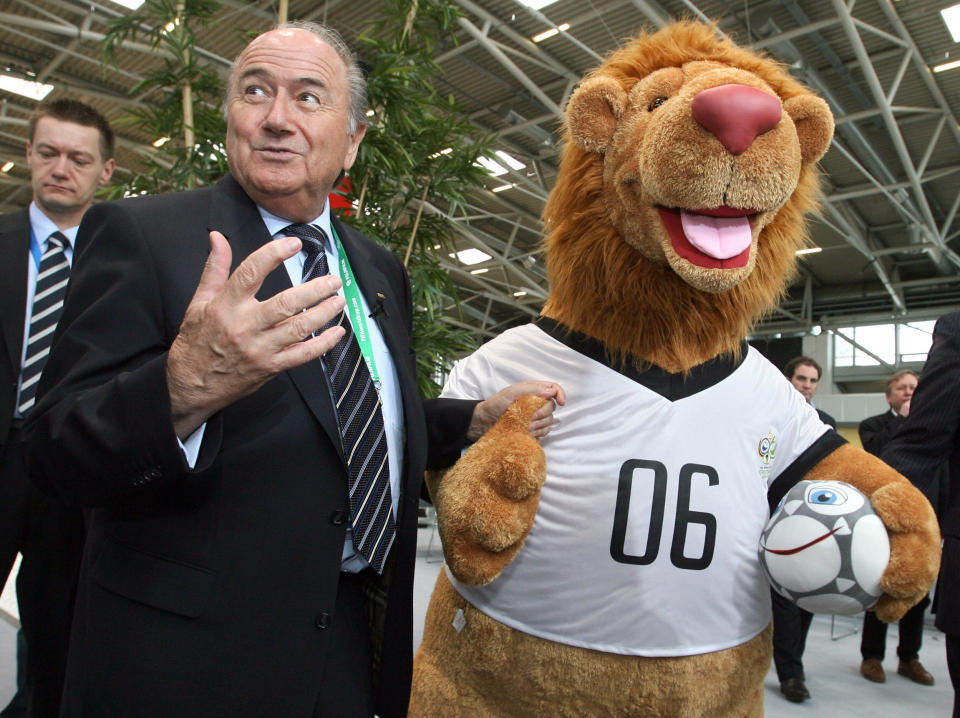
(52,277)
(361,422)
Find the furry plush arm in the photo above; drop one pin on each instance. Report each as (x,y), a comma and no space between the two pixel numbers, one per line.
(908,517)
(487,501)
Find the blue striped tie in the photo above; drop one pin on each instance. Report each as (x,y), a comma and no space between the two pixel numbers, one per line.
(360,419)
(53,274)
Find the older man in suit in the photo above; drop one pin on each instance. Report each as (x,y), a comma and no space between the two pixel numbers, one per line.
(252,458)
(70,155)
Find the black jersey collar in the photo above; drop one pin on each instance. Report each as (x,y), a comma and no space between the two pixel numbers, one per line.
(670,386)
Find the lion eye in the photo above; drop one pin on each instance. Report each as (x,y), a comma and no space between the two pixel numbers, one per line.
(656,103)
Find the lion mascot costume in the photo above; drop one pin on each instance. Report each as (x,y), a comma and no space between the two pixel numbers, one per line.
(613,571)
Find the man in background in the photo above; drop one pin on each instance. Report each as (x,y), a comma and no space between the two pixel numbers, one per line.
(70,155)
(790,622)
(876,432)
(926,450)
(804,373)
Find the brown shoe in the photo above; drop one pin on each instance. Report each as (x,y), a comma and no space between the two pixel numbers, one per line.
(872,670)
(915,671)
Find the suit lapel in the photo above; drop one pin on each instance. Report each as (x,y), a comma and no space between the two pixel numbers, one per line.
(14,255)
(236,216)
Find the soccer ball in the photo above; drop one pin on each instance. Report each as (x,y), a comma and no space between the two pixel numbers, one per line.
(825,548)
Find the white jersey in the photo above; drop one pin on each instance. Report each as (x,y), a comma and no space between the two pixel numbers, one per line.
(645,540)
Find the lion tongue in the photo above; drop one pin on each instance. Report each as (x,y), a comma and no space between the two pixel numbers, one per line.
(717,237)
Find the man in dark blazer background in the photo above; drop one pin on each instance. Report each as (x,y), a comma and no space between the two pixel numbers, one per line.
(926,450)
(219,577)
(70,155)
(876,432)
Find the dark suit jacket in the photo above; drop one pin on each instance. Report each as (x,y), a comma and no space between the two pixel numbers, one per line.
(927,450)
(14,255)
(930,436)
(207,592)
(877,431)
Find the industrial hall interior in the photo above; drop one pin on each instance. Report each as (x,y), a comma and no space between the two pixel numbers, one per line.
(718,240)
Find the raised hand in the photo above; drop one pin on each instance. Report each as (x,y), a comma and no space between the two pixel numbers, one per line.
(230,344)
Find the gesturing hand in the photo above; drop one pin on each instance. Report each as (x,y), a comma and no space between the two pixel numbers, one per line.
(230,344)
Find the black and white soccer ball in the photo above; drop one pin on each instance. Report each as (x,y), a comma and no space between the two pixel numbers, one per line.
(825,548)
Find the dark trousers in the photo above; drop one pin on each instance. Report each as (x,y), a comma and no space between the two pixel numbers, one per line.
(874,641)
(953,665)
(347,688)
(790,627)
(50,537)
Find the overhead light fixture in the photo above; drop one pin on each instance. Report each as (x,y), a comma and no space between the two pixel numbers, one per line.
(503,187)
(471,256)
(27,88)
(510,161)
(536,4)
(444,151)
(129,4)
(952,65)
(808,250)
(551,32)
(160,141)
(494,168)
(7,166)
(520,294)
(370,113)
(951,16)
(482,270)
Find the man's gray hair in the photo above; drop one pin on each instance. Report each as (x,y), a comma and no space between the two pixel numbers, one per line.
(356,82)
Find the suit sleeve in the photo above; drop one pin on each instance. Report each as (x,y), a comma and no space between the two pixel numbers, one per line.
(925,442)
(103,430)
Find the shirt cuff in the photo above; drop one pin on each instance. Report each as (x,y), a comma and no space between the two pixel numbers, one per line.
(191,447)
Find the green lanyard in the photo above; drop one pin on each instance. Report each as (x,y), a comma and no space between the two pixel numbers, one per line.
(355,310)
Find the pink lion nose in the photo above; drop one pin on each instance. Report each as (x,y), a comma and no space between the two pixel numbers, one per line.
(736,114)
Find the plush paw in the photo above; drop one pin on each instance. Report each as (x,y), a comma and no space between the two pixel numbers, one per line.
(487,501)
(908,518)
(914,548)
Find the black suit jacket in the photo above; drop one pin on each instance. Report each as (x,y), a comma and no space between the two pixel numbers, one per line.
(14,255)
(930,436)
(877,431)
(207,592)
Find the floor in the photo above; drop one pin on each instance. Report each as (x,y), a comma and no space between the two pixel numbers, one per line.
(831,660)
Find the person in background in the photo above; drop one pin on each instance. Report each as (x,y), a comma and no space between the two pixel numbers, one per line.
(70,156)
(804,373)
(876,432)
(251,443)
(790,622)
(927,449)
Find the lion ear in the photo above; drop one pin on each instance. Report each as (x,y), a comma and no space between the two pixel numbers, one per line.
(814,123)
(593,113)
